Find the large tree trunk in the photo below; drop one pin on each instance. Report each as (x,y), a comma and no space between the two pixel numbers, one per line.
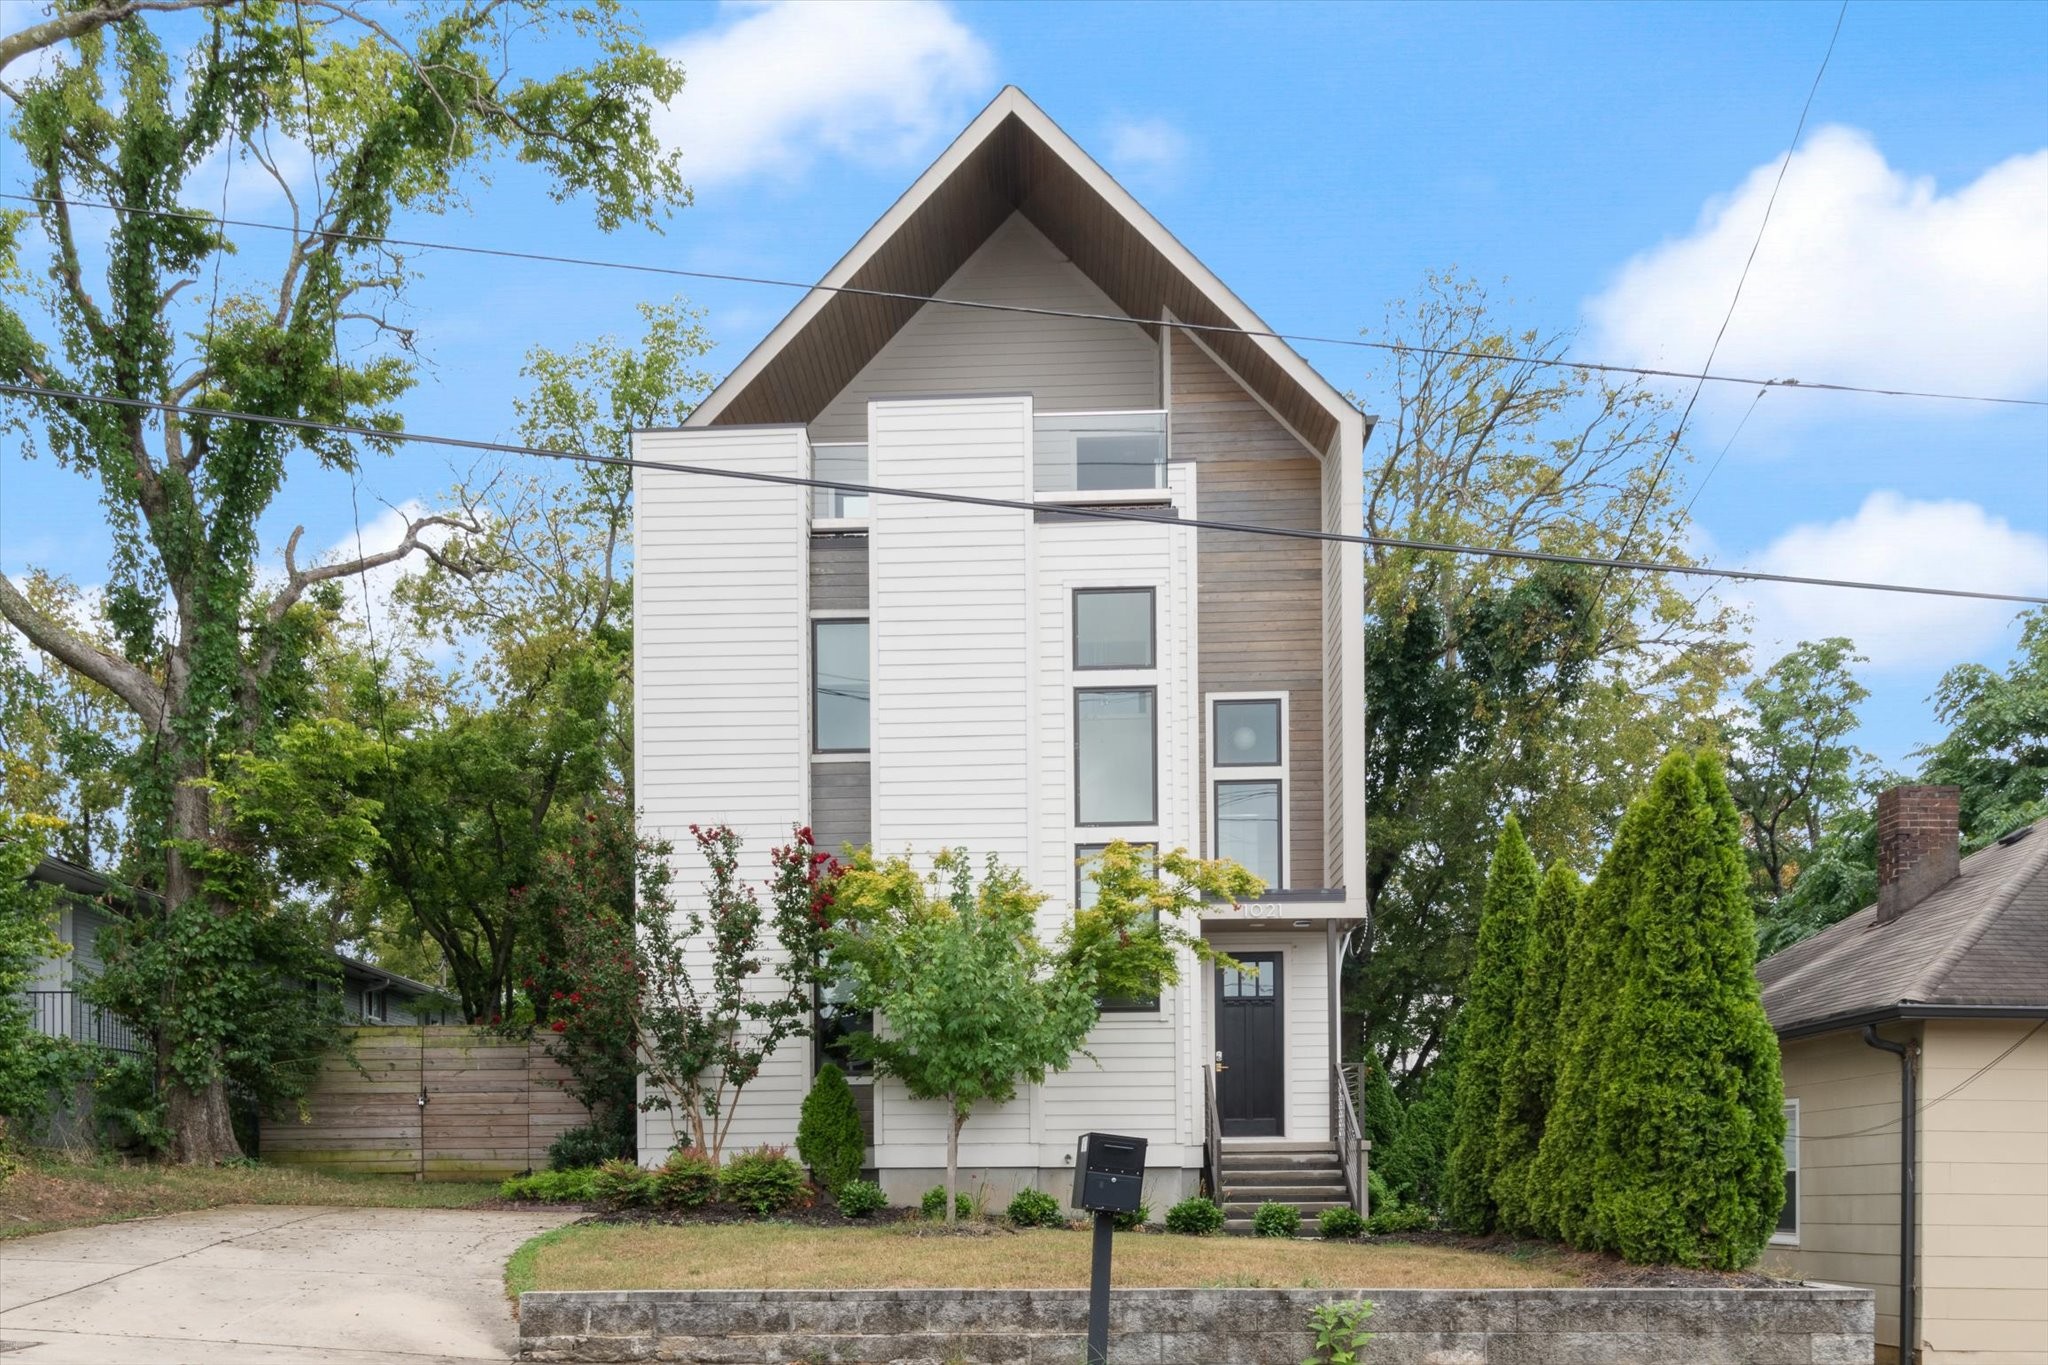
(202,1129)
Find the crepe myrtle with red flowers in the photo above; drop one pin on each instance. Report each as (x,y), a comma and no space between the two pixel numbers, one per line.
(707,1023)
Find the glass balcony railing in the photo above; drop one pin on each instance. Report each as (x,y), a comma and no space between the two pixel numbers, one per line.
(839,460)
(1099,452)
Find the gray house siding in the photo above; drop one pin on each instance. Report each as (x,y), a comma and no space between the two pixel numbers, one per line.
(840,812)
(1260,615)
(839,573)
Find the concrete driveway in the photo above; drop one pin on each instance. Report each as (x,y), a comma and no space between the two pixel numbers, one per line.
(293,1285)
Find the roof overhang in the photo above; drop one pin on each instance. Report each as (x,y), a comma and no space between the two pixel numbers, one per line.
(1014,159)
(1904,1012)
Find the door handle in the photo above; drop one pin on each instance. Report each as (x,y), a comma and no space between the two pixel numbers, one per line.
(1222,1066)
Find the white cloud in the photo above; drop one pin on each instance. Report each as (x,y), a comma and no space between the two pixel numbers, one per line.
(774,86)
(1145,151)
(1865,276)
(1895,539)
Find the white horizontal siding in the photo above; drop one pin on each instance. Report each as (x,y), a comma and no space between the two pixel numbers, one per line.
(721,702)
(1067,364)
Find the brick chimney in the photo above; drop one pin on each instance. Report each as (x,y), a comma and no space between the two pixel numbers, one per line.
(1917,837)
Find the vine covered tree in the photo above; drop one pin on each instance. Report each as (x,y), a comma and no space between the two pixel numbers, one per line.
(396,112)
(1486,1021)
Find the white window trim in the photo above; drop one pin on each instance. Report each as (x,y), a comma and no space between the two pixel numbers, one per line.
(1791,1239)
(1243,772)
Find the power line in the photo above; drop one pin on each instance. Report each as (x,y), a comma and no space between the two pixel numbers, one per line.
(1304,338)
(1014,504)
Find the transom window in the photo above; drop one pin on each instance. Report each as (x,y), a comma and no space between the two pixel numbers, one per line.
(839,686)
(1242,985)
(1116,755)
(1113,628)
(1248,733)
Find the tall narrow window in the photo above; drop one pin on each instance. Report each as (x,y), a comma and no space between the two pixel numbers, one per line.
(1248,827)
(839,686)
(1113,628)
(1788,1216)
(1116,760)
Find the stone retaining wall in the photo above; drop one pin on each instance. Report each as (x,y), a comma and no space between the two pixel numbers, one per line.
(1795,1325)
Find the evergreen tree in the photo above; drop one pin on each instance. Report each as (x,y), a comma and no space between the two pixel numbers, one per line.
(1487,1018)
(1560,1185)
(1381,1114)
(1529,1067)
(1414,1166)
(829,1137)
(1689,1167)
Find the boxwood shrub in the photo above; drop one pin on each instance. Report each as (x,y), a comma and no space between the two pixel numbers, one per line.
(1196,1217)
(934,1204)
(861,1199)
(1339,1224)
(1032,1209)
(1275,1219)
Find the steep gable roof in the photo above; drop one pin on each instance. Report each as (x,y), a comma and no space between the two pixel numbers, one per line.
(1981,940)
(1011,159)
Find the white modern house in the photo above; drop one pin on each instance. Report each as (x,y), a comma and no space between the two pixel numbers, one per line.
(1019,680)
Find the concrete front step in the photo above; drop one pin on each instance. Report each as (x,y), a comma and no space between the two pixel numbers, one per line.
(1310,1208)
(1291,1175)
(1283,1194)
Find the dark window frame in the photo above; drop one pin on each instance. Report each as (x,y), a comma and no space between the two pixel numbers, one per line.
(1279,786)
(817,621)
(1151,633)
(1279,731)
(1151,819)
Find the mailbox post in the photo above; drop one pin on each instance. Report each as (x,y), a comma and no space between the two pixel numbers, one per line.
(1109,1178)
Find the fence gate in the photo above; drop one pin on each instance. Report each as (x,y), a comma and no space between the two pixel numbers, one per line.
(443,1102)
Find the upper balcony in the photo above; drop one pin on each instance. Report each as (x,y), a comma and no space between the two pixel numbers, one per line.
(1099,456)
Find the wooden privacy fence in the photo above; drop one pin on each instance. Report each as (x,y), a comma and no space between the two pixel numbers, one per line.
(448,1102)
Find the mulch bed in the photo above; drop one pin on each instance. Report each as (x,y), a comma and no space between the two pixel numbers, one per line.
(1596,1271)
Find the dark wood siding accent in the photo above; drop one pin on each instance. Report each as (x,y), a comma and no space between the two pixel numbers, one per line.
(839,573)
(841,809)
(1260,615)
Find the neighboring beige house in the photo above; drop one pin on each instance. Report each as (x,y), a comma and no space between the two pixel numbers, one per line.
(1018,679)
(1951,966)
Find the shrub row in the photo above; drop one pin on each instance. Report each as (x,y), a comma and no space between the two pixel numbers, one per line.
(764,1181)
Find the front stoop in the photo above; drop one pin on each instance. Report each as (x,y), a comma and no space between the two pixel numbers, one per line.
(1308,1175)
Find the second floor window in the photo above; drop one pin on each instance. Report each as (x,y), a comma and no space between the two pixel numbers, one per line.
(1113,628)
(1116,756)
(839,686)
(1248,784)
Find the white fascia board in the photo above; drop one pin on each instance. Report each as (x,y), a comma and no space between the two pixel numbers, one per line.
(1352,431)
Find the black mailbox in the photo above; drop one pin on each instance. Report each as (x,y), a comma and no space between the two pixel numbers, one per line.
(1109,1173)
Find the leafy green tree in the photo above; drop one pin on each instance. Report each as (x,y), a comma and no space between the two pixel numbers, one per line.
(1996,749)
(1414,1166)
(1488,1022)
(396,112)
(1529,1063)
(1791,767)
(1561,1183)
(1488,679)
(1690,1132)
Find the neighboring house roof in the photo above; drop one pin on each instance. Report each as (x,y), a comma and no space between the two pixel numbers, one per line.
(1977,945)
(1012,159)
(83,881)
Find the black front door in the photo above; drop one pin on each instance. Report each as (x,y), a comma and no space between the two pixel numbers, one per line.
(1248,1015)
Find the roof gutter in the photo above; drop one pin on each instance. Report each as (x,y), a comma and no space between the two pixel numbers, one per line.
(1909,1130)
(1886,1014)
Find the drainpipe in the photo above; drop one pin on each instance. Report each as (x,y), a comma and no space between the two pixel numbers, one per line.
(1909,1124)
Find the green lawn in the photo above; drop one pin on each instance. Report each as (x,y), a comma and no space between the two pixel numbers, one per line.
(53,1191)
(912,1256)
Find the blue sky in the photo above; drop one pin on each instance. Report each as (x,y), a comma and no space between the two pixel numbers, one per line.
(1602,166)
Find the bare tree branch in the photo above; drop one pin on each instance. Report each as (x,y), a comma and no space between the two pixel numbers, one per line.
(297,580)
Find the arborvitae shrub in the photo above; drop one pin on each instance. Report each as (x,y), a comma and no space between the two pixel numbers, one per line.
(1381,1113)
(1560,1186)
(1690,1157)
(828,1131)
(1528,1079)
(764,1180)
(1032,1209)
(1275,1219)
(1339,1224)
(861,1199)
(687,1180)
(1487,1016)
(1195,1217)
(1414,1166)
